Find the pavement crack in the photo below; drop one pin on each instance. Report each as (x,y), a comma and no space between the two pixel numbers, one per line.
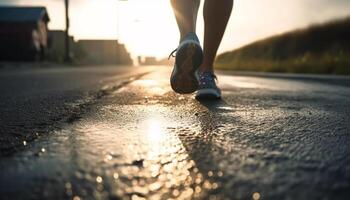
(73,112)
(82,107)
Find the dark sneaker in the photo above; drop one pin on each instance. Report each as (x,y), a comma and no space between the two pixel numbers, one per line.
(207,86)
(189,57)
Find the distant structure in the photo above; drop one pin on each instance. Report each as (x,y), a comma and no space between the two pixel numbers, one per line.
(150,60)
(23,33)
(102,52)
(57,46)
(87,52)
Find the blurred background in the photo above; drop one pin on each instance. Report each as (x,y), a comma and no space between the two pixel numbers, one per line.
(306,36)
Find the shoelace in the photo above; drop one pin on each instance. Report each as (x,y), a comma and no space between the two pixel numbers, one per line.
(172,54)
(208,76)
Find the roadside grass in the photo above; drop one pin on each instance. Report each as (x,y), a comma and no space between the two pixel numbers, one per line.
(309,63)
(321,49)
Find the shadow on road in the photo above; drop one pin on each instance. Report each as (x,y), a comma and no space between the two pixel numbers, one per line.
(213,105)
(202,145)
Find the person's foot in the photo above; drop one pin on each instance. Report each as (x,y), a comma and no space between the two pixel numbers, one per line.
(189,57)
(207,86)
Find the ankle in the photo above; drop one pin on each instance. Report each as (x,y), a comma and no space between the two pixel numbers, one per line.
(206,68)
(191,35)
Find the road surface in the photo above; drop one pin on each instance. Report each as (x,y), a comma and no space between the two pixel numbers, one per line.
(121,133)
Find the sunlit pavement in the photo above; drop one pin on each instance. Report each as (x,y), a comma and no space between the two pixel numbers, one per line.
(266,139)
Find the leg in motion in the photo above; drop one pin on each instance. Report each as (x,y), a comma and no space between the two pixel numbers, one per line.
(186,15)
(189,54)
(216,15)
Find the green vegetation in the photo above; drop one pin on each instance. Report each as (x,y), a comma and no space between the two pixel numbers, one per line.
(323,49)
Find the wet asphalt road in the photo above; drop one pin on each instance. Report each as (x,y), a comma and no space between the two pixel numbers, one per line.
(36,101)
(268,138)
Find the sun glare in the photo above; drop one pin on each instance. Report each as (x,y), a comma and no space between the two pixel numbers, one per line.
(155,133)
(148,28)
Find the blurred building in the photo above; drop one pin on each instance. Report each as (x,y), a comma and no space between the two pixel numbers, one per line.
(102,52)
(23,33)
(57,46)
(150,60)
(87,52)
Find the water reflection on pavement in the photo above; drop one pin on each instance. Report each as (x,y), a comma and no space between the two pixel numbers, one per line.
(117,151)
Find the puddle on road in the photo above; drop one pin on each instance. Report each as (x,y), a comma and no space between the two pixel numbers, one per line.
(150,86)
(125,152)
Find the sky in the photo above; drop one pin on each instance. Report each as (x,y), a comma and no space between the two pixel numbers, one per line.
(148,27)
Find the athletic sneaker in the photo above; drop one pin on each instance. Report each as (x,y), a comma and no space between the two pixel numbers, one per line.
(207,86)
(189,57)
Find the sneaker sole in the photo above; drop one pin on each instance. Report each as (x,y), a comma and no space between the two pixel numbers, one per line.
(188,60)
(208,94)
